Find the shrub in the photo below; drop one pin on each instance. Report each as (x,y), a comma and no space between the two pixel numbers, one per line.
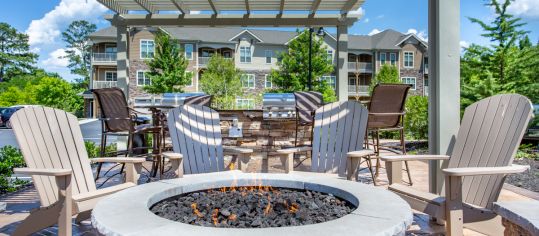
(416,118)
(10,157)
(93,149)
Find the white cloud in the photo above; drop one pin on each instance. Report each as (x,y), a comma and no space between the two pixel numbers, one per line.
(366,20)
(464,44)
(420,34)
(56,59)
(47,29)
(524,8)
(374,31)
(380,16)
(360,11)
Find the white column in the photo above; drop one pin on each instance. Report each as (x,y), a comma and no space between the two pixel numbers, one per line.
(444,78)
(122,58)
(342,62)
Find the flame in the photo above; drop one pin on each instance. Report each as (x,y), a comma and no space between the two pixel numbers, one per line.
(214,215)
(268,207)
(293,208)
(195,210)
(232,166)
(232,217)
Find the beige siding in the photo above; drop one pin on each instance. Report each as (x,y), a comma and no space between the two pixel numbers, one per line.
(418,55)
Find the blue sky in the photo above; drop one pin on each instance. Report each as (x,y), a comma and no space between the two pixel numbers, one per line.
(44,20)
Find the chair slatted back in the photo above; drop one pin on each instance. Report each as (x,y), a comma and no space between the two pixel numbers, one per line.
(489,136)
(387,98)
(339,128)
(196,134)
(306,103)
(203,100)
(51,138)
(113,104)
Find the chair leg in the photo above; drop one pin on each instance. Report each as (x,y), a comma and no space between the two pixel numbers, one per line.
(378,154)
(403,148)
(102,149)
(373,176)
(453,206)
(408,172)
(83,216)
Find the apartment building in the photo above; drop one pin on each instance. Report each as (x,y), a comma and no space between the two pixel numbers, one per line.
(255,52)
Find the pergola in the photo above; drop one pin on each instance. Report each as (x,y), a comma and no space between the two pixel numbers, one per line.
(444,38)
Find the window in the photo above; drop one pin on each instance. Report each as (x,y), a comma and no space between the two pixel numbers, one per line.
(329,55)
(245,54)
(408,59)
(110,48)
(189,51)
(248,81)
(426,86)
(393,58)
(426,69)
(268,55)
(410,81)
(147,49)
(383,58)
(111,76)
(267,82)
(142,78)
(331,80)
(242,103)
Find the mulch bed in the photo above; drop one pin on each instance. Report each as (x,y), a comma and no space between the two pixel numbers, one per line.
(253,207)
(529,179)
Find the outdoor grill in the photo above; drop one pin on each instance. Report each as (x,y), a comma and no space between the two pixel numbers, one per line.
(176,99)
(279,106)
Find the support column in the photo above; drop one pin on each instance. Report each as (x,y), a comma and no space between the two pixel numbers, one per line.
(122,58)
(444,72)
(342,62)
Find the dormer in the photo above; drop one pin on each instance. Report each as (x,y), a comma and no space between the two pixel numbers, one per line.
(246,36)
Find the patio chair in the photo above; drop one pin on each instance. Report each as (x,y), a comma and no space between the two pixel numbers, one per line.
(339,131)
(117,119)
(196,135)
(203,100)
(481,157)
(386,113)
(306,104)
(53,149)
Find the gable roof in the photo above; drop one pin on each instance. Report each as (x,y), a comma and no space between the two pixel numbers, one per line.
(248,32)
(387,39)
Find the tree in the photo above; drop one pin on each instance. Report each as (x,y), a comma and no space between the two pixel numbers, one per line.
(57,93)
(525,43)
(15,55)
(504,30)
(168,67)
(293,73)
(79,48)
(222,80)
(388,74)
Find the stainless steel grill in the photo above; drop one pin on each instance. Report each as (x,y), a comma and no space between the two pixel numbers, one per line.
(279,106)
(176,99)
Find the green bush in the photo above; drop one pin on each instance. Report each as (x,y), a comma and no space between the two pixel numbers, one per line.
(416,118)
(93,149)
(10,157)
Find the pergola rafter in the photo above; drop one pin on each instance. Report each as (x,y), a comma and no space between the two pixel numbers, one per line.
(212,5)
(113,6)
(247,8)
(146,5)
(179,6)
(314,7)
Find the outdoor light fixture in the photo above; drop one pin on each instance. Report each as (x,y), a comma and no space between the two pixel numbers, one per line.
(320,33)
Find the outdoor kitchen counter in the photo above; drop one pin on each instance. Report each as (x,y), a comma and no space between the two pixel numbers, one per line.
(259,133)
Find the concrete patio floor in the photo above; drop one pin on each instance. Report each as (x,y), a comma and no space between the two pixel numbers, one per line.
(19,204)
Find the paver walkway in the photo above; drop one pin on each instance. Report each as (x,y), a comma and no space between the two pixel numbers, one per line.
(20,203)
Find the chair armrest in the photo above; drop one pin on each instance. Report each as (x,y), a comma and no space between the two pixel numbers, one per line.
(294,150)
(471,171)
(237,150)
(414,158)
(138,112)
(387,114)
(173,155)
(362,153)
(118,160)
(46,172)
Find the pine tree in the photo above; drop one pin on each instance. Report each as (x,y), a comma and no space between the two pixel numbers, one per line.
(168,67)
(15,55)
(79,49)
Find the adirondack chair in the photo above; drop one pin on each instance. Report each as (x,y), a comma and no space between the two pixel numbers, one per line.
(196,135)
(53,149)
(482,156)
(339,132)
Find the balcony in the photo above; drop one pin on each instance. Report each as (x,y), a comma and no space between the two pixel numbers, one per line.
(106,58)
(363,90)
(364,67)
(203,61)
(104,84)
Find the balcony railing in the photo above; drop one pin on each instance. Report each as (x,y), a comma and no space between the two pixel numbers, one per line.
(203,61)
(108,57)
(104,84)
(363,66)
(426,70)
(363,90)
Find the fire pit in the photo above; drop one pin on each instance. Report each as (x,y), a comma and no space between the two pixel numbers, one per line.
(235,203)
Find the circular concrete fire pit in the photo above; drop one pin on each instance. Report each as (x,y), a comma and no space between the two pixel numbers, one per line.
(377,212)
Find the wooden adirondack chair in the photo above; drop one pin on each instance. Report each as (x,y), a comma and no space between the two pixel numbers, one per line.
(482,156)
(53,149)
(339,132)
(196,135)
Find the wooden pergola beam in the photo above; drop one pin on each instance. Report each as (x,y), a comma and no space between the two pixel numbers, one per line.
(315,6)
(348,6)
(266,20)
(281,7)
(213,7)
(247,7)
(179,5)
(146,5)
(113,5)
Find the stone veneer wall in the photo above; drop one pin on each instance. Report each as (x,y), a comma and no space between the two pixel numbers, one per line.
(419,83)
(264,136)
(134,90)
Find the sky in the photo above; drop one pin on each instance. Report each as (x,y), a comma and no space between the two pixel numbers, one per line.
(44,20)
